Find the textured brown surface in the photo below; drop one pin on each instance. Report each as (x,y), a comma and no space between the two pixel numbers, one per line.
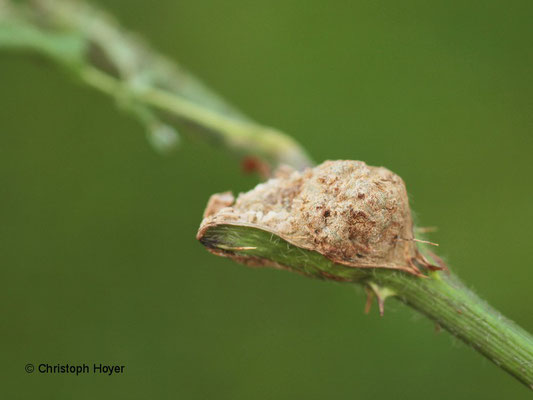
(351,213)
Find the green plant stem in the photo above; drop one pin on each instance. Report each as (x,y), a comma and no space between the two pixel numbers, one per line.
(441,296)
(444,299)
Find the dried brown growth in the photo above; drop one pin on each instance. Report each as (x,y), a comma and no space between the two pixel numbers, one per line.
(351,213)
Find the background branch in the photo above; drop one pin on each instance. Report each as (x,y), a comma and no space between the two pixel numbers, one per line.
(94,48)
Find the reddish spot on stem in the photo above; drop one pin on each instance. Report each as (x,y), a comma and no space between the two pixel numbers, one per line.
(251,164)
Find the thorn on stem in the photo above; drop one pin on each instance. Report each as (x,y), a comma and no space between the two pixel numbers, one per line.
(381,304)
(381,293)
(419,241)
(426,242)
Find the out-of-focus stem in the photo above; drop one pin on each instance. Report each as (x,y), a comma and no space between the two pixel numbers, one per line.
(235,134)
(95,48)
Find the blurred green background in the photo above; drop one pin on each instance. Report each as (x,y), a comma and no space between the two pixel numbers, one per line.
(97,233)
